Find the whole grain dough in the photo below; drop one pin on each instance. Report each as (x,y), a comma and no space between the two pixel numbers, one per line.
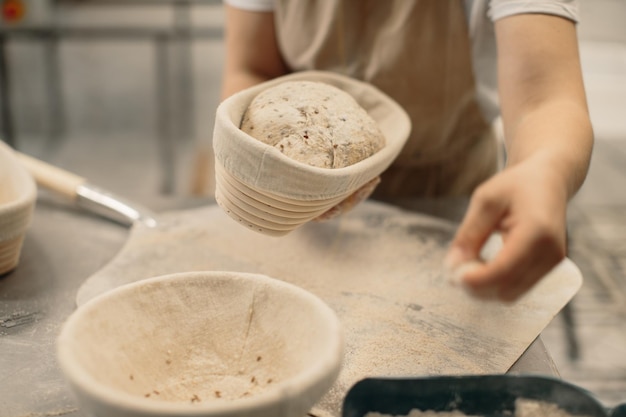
(314,123)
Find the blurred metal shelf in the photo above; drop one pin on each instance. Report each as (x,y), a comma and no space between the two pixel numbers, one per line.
(174,121)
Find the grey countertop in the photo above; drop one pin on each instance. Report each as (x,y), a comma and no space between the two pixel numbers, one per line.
(62,247)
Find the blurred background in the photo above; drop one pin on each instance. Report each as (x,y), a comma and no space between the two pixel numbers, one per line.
(136,82)
(122,92)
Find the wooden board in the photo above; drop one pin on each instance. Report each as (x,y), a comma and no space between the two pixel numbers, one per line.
(378,267)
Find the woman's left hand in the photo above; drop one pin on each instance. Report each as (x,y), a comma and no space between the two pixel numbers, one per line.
(526,204)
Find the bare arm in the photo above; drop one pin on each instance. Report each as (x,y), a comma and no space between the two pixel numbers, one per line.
(543,99)
(252,54)
(549,141)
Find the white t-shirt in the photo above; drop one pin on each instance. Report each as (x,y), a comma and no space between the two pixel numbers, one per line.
(480,16)
(496,9)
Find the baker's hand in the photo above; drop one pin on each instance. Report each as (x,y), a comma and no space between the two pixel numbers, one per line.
(352,200)
(526,204)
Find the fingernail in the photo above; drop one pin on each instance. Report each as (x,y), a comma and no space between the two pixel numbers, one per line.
(453,259)
(451,262)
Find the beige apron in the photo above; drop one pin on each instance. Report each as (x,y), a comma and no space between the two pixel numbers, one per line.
(419,53)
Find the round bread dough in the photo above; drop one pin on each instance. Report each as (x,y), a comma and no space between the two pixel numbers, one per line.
(314,123)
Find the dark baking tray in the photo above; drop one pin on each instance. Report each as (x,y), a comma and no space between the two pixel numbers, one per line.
(484,395)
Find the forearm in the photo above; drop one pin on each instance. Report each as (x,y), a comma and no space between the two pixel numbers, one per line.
(542,96)
(252,53)
(557,132)
(241,78)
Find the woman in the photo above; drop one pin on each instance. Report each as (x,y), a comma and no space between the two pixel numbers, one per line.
(427,55)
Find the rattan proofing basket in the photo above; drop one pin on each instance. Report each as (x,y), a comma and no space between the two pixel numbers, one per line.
(273,194)
(18,193)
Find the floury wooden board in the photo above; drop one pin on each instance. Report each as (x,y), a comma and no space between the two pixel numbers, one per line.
(378,267)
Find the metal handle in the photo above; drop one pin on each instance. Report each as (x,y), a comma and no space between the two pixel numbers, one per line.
(85,195)
(106,204)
